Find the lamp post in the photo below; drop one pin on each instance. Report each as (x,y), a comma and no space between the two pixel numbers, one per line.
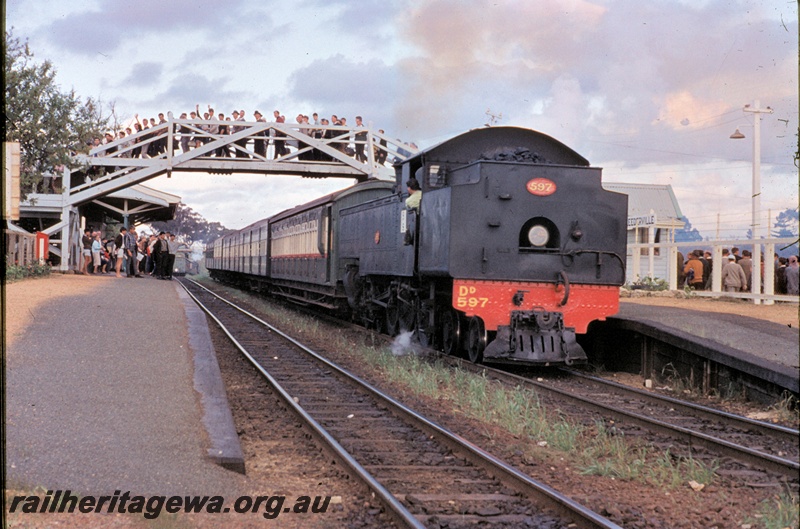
(756,206)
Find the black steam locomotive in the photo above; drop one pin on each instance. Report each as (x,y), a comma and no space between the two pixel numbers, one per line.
(514,248)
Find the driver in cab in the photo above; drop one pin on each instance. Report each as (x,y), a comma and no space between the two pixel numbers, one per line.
(414,194)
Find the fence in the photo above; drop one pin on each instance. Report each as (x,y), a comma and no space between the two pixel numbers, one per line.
(20,248)
(667,254)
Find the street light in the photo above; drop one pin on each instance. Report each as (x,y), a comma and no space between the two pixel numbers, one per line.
(754,231)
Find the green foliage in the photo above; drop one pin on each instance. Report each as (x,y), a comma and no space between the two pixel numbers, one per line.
(190,226)
(648,283)
(49,124)
(15,272)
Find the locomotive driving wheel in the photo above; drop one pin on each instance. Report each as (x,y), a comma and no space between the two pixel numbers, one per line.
(399,315)
(451,332)
(426,326)
(407,314)
(476,340)
(370,316)
(392,317)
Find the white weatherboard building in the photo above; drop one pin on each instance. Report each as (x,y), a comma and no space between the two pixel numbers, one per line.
(653,217)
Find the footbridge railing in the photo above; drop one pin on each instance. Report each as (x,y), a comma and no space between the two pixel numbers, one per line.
(215,146)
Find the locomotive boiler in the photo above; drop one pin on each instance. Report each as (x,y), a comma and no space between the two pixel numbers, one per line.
(514,249)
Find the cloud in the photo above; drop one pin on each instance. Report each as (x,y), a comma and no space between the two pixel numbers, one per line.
(368,20)
(144,74)
(104,29)
(582,69)
(339,85)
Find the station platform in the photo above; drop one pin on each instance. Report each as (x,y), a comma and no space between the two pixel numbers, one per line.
(113,384)
(763,349)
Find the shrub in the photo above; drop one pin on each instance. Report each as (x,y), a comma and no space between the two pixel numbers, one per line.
(648,283)
(15,272)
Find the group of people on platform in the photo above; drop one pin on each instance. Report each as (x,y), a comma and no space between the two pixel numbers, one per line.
(130,253)
(737,271)
(188,137)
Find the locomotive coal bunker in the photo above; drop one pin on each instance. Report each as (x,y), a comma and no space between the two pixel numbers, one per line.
(515,248)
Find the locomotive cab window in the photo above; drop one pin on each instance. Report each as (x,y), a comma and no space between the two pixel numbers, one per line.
(539,234)
(436,176)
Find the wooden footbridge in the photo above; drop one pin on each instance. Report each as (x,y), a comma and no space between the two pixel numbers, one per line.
(192,145)
(312,151)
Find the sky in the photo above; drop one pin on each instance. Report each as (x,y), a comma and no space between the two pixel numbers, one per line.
(649,91)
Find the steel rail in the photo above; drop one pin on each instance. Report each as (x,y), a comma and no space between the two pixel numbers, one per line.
(763,460)
(559,502)
(789,434)
(398,510)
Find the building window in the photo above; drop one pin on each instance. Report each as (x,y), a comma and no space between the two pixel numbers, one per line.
(644,238)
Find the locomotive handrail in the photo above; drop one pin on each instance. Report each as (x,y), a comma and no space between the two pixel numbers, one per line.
(573,253)
(563,276)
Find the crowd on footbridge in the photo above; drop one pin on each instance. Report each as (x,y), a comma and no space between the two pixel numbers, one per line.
(350,140)
(193,130)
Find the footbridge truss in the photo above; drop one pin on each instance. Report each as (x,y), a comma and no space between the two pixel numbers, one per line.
(312,151)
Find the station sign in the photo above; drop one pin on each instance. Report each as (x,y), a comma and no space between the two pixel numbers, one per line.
(642,220)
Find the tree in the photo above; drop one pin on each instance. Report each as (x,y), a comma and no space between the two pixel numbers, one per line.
(786,225)
(687,233)
(189,226)
(49,124)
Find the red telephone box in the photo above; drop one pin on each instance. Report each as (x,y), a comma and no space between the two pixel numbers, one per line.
(42,246)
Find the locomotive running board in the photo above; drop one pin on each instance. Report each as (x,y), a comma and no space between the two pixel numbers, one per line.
(538,337)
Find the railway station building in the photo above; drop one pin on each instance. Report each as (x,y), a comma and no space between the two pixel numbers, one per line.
(653,217)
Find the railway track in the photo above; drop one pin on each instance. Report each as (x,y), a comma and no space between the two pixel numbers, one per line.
(756,444)
(765,446)
(425,475)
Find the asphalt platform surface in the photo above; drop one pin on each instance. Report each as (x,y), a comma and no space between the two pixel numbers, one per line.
(104,392)
(736,340)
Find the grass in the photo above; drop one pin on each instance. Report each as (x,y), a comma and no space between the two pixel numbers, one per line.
(598,450)
(787,409)
(782,511)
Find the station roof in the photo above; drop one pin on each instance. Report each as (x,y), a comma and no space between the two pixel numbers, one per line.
(646,198)
(139,202)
